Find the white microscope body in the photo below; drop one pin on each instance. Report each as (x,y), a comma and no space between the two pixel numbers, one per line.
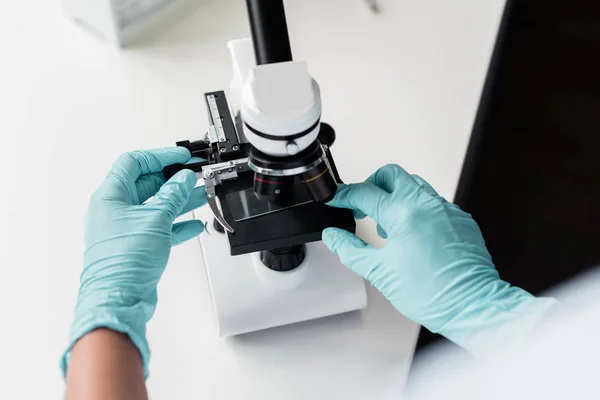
(274,100)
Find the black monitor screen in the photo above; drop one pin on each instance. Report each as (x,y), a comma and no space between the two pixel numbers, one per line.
(531,177)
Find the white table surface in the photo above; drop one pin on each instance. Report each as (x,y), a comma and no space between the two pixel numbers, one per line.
(399,87)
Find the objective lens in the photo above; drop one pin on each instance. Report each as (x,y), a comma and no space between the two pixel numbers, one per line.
(272,188)
(320,183)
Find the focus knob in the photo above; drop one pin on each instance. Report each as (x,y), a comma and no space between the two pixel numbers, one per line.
(283,259)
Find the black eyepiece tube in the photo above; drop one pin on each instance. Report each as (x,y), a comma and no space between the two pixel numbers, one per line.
(269,31)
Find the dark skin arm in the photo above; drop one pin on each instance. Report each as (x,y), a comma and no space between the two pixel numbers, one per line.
(105,365)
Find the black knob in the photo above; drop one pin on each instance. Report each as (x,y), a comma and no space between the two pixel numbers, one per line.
(326,134)
(284,258)
(198,146)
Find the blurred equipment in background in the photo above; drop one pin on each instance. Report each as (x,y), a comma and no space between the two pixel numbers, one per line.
(124,22)
(374,6)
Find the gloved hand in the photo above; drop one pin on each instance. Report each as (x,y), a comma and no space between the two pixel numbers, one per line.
(128,241)
(434,268)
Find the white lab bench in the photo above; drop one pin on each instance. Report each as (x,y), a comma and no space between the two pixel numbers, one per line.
(400,87)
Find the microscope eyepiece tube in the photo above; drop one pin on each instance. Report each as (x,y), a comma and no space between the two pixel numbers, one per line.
(269,31)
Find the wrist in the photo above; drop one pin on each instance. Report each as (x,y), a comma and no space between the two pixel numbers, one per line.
(496,317)
(122,319)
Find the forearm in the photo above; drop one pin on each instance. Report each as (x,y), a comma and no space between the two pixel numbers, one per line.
(130,229)
(105,365)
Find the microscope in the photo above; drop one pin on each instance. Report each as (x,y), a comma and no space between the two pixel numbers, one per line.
(268,170)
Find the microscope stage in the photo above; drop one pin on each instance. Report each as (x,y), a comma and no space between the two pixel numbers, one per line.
(247,296)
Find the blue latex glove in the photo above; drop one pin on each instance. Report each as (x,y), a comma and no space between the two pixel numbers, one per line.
(128,241)
(434,268)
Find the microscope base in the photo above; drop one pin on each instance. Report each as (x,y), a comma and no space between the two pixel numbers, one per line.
(247,296)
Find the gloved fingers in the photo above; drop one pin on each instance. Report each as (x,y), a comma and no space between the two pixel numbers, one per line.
(120,183)
(382,234)
(362,198)
(147,186)
(175,194)
(130,166)
(356,213)
(197,199)
(134,164)
(352,251)
(393,178)
(425,185)
(184,231)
